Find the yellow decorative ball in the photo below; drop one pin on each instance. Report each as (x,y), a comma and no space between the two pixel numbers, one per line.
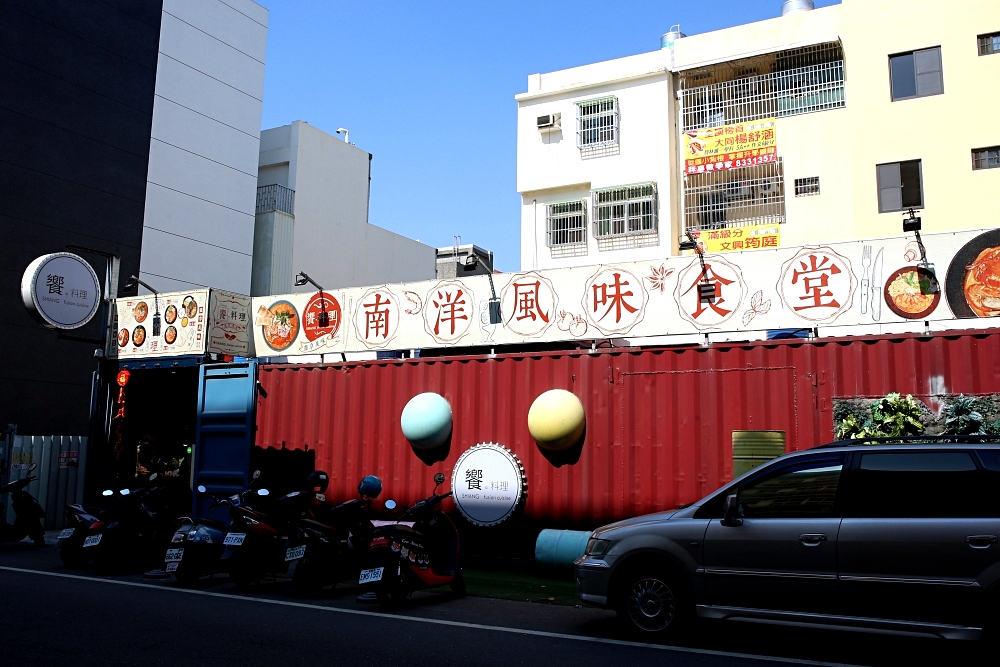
(556,420)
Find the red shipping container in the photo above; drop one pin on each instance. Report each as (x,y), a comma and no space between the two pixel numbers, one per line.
(659,420)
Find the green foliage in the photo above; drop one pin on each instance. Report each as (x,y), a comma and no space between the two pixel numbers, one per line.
(892,416)
(962,418)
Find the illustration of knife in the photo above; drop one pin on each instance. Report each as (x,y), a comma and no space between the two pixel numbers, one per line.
(877,286)
(866,262)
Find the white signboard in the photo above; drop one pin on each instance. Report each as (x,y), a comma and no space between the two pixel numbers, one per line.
(192,322)
(852,283)
(488,484)
(61,290)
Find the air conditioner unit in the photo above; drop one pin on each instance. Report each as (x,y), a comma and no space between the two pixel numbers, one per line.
(768,188)
(549,123)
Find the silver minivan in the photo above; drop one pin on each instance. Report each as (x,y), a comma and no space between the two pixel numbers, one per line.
(894,536)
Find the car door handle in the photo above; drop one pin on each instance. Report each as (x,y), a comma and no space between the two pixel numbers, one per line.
(812,539)
(981,541)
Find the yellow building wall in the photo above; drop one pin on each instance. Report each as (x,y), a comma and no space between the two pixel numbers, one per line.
(940,130)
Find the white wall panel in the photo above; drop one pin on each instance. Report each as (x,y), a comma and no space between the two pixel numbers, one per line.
(179,213)
(222,22)
(207,54)
(204,136)
(187,86)
(185,172)
(254,10)
(169,256)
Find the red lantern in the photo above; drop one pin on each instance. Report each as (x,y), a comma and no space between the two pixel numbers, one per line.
(123,376)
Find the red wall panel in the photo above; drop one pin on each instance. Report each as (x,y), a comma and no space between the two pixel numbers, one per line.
(659,421)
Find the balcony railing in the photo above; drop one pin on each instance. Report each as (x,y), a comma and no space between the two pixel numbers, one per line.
(275,198)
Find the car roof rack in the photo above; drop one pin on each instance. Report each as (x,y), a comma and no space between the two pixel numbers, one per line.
(916,440)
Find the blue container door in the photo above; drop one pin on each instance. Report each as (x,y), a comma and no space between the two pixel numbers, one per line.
(225,432)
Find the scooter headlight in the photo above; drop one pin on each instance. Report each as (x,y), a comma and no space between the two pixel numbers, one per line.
(178,537)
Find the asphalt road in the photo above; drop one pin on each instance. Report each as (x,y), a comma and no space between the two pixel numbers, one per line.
(55,616)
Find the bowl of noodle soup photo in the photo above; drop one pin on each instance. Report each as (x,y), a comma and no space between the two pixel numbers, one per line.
(912,292)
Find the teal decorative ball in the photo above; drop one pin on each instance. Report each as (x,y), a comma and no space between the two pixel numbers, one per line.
(426,420)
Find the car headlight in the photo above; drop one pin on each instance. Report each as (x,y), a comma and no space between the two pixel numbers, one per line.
(596,547)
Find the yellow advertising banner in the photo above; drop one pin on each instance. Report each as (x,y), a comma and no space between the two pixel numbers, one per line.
(751,237)
(730,146)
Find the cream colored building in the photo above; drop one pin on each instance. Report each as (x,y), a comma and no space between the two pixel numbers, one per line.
(879,106)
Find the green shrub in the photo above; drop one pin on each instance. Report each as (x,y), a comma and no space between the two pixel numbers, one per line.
(962,418)
(892,416)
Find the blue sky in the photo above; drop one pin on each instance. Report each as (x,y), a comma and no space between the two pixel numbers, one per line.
(428,88)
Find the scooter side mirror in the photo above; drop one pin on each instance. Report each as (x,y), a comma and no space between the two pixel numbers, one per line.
(390,504)
(256,474)
(107,492)
(202,489)
(439,478)
(263,492)
(152,477)
(32,467)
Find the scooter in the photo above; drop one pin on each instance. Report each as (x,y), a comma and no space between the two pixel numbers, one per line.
(28,513)
(125,531)
(326,542)
(404,559)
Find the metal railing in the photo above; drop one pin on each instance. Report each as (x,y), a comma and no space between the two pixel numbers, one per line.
(735,198)
(275,198)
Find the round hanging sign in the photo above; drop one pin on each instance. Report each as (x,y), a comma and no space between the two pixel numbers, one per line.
(488,484)
(61,290)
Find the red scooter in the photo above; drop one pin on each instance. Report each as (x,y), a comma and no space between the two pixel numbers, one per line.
(403,559)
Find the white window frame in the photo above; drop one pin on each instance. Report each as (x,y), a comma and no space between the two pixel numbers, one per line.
(560,230)
(627,210)
(597,123)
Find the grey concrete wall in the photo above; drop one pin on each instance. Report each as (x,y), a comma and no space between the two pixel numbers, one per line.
(201,183)
(333,240)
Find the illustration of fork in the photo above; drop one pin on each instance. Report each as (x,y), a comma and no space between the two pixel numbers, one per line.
(866,262)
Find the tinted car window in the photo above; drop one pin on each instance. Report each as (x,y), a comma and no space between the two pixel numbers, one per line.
(918,485)
(804,491)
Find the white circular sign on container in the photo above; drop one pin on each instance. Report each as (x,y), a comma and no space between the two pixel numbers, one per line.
(488,484)
(61,290)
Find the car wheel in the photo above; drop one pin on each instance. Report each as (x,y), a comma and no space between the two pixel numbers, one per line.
(651,603)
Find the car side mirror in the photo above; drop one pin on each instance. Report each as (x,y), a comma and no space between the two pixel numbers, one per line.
(730,511)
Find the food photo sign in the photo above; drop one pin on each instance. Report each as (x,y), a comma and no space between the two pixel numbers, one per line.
(182,323)
(877,281)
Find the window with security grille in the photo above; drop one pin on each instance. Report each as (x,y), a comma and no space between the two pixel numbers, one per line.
(597,123)
(786,83)
(566,224)
(916,74)
(986,158)
(989,44)
(735,198)
(624,211)
(805,187)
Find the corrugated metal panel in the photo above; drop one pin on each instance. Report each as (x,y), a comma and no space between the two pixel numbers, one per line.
(659,421)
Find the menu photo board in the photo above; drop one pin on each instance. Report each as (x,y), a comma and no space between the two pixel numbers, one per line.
(182,323)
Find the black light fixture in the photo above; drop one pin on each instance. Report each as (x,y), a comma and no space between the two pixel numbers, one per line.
(133,283)
(911,223)
(470,263)
(707,292)
(687,243)
(302,278)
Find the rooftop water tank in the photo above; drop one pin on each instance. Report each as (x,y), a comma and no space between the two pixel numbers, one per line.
(793,6)
(668,38)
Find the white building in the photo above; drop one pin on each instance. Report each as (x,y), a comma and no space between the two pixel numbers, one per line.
(198,227)
(312,216)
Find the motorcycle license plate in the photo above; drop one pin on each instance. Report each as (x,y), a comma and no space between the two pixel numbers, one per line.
(174,555)
(92,540)
(368,576)
(66,532)
(234,539)
(295,553)
(172,567)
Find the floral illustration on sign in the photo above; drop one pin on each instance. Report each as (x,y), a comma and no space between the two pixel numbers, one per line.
(614,300)
(658,278)
(757,307)
(448,310)
(376,319)
(817,284)
(528,304)
(574,324)
(730,291)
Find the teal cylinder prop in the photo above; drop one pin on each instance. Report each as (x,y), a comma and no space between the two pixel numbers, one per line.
(426,421)
(559,548)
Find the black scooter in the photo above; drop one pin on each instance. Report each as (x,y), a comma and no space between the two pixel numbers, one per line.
(28,513)
(404,559)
